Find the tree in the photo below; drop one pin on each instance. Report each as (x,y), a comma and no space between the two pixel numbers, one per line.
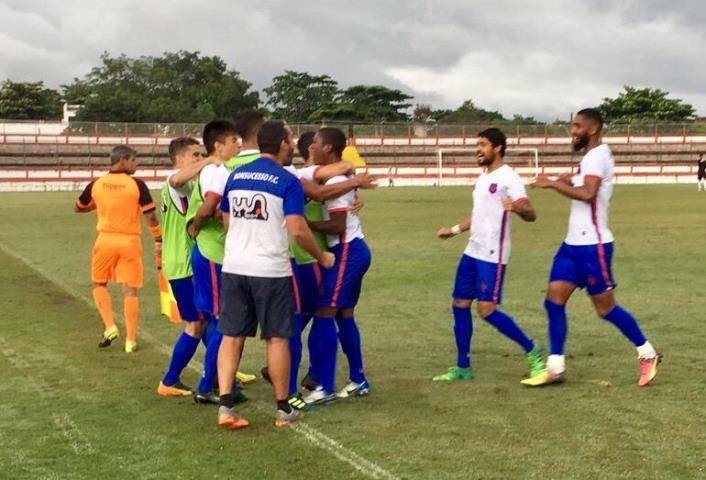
(469,113)
(365,103)
(176,87)
(422,113)
(645,105)
(29,101)
(294,96)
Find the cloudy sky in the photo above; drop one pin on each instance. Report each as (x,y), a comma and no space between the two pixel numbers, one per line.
(541,58)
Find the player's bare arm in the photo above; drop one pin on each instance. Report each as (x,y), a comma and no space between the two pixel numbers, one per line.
(326,172)
(335,226)
(299,232)
(321,193)
(586,193)
(208,209)
(448,232)
(522,207)
(188,173)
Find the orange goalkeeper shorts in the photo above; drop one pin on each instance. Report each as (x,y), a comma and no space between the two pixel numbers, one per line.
(117,258)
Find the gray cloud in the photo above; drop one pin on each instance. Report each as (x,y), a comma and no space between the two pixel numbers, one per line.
(535,58)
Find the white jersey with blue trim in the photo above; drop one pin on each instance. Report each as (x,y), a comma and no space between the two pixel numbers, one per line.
(344,203)
(588,222)
(257,198)
(490,222)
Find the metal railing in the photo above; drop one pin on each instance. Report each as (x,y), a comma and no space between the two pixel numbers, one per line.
(161,133)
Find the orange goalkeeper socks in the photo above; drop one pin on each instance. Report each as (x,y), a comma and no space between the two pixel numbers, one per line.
(132,313)
(104,304)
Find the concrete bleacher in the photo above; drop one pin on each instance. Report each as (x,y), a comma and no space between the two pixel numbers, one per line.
(69,162)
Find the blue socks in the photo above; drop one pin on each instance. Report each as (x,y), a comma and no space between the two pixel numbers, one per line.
(210,363)
(507,326)
(558,326)
(184,349)
(463,331)
(295,352)
(627,324)
(349,335)
(326,347)
(313,372)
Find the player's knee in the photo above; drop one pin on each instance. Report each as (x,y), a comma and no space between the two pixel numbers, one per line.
(195,329)
(346,313)
(326,312)
(485,309)
(461,303)
(604,310)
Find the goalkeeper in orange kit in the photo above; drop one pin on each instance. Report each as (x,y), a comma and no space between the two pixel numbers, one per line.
(119,200)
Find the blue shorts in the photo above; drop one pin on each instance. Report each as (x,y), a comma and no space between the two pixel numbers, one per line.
(479,280)
(586,266)
(183,290)
(207,283)
(343,282)
(308,286)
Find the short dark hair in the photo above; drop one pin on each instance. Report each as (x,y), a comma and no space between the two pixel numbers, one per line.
(304,142)
(121,151)
(496,138)
(217,131)
(248,123)
(592,114)
(178,145)
(335,137)
(271,135)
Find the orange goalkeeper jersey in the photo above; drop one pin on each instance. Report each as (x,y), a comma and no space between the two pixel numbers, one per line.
(119,199)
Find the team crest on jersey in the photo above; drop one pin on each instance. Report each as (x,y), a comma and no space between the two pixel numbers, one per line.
(250,208)
(493,188)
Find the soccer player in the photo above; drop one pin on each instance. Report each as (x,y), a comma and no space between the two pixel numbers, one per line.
(701,172)
(341,285)
(119,199)
(584,259)
(480,275)
(262,202)
(306,271)
(208,213)
(220,139)
(185,155)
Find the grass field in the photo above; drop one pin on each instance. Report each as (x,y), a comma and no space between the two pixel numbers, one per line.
(70,411)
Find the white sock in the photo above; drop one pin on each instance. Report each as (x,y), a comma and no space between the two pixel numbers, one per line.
(555,364)
(646,351)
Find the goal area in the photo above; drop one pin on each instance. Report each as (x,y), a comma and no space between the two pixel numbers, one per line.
(447,158)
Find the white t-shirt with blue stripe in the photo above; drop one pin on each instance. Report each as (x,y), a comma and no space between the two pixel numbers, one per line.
(257,197)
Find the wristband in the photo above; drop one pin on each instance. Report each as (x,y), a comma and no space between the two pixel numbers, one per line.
(456,229)
(156,232)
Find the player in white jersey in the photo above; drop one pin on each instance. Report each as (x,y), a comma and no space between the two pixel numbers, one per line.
(584,259)
(498,193)
(341,284)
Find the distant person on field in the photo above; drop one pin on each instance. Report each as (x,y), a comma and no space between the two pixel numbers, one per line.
(584,258)
(702,172)
(119,199)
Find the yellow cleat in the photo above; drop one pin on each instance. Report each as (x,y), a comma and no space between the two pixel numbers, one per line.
(130,346)
(543,378)
(244,378)
(108,336)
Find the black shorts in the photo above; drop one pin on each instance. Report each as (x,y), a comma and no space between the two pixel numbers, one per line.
(247,301)
(701,174)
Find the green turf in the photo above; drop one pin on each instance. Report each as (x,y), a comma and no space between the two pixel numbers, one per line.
(68,410)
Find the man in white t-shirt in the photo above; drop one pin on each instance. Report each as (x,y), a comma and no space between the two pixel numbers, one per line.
(498,193)
(584,259)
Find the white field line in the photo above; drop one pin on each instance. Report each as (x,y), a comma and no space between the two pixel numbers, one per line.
(315,437)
